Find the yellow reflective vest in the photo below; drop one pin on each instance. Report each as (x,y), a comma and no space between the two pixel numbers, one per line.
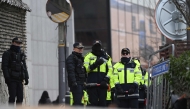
(105,70)
(83,101)
(126,76)
(144,79)
(134,75)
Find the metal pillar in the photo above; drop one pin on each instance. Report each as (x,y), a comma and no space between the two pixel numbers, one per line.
(63,87)
(188,34)
(61,53)
(188,28)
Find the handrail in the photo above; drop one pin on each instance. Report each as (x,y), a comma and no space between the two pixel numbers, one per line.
(149,66)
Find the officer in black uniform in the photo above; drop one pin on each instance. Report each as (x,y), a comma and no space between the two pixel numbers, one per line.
(76,73)
(15,71)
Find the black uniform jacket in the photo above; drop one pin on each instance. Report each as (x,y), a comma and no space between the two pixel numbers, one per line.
(75,69)
(6,65)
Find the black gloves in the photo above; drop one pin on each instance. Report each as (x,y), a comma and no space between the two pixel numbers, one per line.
(97,63)
(142,87)
(132,89)
(104,84)
(119,89)
(26,82)
(7,80)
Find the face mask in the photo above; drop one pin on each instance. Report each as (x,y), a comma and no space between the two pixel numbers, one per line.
(125,59)
(96,49)
(15,48)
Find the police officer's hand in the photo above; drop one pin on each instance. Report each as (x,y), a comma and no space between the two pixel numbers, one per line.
(104,84)
(7,80)
(119,89)
(99,61)
(132,89)
(142,87)
(26,82)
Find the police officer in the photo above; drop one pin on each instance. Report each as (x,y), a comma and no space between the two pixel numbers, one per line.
(143,88)
(76,73)
(108,98)
(127,76)
(99,69)
(110,92)
(15,71)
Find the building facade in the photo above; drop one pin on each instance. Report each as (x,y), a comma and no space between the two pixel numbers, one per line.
(12,24)
(132,26)
(29,22)
(42,45)
(118,24)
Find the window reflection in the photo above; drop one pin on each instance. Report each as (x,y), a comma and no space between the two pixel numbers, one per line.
(92,22)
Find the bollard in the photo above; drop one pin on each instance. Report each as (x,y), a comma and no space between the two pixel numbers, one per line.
(67,98)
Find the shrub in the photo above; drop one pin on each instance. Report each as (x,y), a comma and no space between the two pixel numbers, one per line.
(179,73)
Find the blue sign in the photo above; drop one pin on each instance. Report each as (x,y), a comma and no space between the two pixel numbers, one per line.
(160,68)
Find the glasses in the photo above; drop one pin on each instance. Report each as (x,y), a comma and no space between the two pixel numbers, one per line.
(125,53)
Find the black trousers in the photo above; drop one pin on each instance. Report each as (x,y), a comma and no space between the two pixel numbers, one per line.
(97,96)
(77,95)
(129,103)
(15,92)
(141,105)
(108,102)
(142,95)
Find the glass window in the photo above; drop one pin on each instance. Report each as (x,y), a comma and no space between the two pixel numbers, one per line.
(121,10)
(114,19)
(135,48)
(128,0)
(128,18)
(115,46)
(134,1)
(114,14)
(135,19)
(129,41)
(122,40)
(147,3)
(92,22)
(151,27)
(134,23)
(141,2)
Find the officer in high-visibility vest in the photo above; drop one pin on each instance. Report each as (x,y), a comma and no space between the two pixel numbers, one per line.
(127,76)
(98,65)
(143,88)
(110,92)
(108,98)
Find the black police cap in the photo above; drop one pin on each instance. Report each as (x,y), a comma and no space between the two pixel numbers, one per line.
(78,45)
(97,42)
(125,50)
(17,40)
